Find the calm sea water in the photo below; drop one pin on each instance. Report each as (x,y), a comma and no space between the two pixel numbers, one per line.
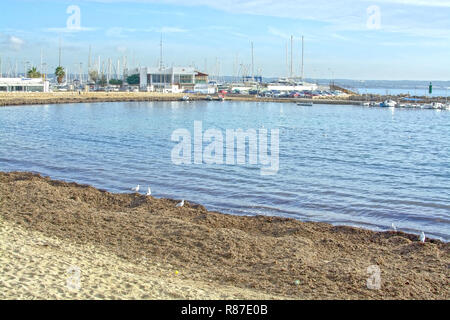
(346,165)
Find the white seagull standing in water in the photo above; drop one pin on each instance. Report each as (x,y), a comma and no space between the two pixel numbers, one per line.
(136,189)
(149,192)
(394,227)
(422,237)
(181,203)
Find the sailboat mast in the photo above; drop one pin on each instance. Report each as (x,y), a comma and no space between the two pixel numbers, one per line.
(161,54)
(59,61)
(253,66)
(303,56)
(292,41)
(41,64)
(287,61)
(81,73)
(89,59)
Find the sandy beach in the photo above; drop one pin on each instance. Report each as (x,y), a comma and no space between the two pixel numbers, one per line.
(130,246)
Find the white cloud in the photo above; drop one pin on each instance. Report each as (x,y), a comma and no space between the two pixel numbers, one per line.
(10,42)
(398,16)
(419,3)
(171,30)
(119,32)
(278,33)
(69,30)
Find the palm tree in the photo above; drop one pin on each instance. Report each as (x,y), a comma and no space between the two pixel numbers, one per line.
(93,74)
(60,74)
(33,73)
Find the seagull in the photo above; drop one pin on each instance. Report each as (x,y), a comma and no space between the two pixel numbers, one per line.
(422,237)
(149,192)
(136,189)
(181,203)
(394,227)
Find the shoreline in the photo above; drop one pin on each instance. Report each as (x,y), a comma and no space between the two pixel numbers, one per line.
(244,257)
(29,98)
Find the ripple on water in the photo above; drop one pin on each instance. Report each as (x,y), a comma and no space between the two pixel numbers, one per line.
(339,164)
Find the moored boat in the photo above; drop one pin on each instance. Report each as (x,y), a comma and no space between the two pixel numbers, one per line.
(388,104)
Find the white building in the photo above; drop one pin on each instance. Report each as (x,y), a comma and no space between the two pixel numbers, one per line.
(174,79)
(24,85)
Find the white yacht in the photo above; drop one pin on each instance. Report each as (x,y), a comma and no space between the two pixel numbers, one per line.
(288,85)
(388,104)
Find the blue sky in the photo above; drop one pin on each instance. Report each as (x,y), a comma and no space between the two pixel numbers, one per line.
(343,38)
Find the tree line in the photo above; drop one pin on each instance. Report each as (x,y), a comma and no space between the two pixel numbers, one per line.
(60,73)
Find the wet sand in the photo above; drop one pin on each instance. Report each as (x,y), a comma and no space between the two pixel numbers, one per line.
(129,246)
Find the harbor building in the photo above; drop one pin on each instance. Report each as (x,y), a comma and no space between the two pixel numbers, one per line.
(24,85)
(173,80)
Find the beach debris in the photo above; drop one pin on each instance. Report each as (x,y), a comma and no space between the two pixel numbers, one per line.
(176,272)
(422,237)
(394,227)
(136,189)
(181,203)
(149,192)
(297,282)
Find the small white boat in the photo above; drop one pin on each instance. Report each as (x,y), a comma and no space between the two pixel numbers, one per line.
(185,98)
(305,104)
(366,104)
(438,105)
(388,104)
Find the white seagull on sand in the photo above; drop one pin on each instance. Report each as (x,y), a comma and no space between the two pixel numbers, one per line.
(149,191)
(181,203)
(136,189)
(422,237)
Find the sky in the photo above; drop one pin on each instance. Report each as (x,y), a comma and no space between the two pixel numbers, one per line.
(344,39)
